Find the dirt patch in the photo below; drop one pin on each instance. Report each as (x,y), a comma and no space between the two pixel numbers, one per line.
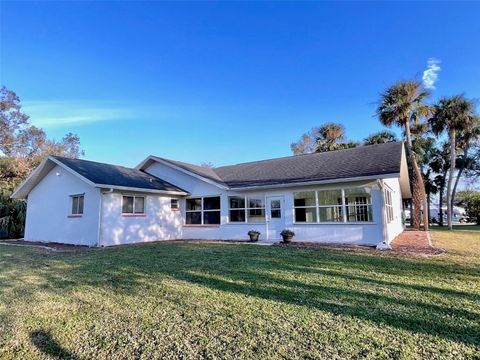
(45,246)
(415,243)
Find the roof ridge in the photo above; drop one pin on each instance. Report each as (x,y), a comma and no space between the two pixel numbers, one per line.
(94,162)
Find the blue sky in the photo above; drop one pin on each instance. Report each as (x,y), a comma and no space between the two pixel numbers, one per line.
(224,82)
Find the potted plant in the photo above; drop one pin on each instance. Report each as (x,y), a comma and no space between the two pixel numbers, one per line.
(287,235)
(254,234)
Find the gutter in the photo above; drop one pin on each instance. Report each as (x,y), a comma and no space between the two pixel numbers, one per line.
(319,182)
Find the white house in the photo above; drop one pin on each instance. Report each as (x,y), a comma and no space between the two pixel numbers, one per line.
(351,196)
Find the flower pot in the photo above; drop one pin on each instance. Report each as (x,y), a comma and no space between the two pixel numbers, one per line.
(254,237)
(287,238)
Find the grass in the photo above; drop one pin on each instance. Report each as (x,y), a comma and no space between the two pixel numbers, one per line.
(241,301)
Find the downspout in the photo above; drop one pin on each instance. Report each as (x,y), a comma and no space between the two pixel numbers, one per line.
(384,245)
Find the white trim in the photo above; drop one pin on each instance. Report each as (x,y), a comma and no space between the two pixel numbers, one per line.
(195,175)
(319,182)
(141,190)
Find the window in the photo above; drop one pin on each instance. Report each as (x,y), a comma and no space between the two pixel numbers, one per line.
(359,205)
(305,204)
(388,205)
(327,206)
(247,209)
(203,211)
(174,204)
(330,206)
(77,204)
(132,204)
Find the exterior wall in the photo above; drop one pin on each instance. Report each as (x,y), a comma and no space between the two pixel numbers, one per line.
(48,207)
(159,222)
(348,233)
(396,226)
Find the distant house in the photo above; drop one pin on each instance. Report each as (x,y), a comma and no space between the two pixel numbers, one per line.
(351,196)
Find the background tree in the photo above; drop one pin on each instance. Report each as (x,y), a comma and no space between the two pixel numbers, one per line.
(380,137)
(307,143)
(22,148)
(402,105)
(451,115)
(440,164)
(469,137)
(328,137)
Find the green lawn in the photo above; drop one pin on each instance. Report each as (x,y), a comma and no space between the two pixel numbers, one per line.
(224,301)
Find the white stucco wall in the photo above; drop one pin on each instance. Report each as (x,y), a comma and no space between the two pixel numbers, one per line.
(395,227)
(48,207)
(159,222)
(349,233)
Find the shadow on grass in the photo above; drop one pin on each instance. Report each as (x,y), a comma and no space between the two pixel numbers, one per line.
(47,345)
(396,294)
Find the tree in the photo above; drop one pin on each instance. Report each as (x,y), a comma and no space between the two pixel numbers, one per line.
(472,205)
(328,137)
(11,119)
(440,164)
(468,138)
(380,137)
(402,105)
(23,147)
(451,115)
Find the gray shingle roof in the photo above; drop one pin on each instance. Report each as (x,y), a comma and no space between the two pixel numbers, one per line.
(361,161)
(341,164)
(114,175)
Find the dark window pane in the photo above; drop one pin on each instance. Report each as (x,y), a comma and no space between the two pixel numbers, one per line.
(275,204)
(306,215)
(211,217)
(331,214)
(127,207)
(80,204)
(255,203)
(237,202)
(193,217)
(211,203)
(276,214)
(237,215)
(139,205)
(194,204)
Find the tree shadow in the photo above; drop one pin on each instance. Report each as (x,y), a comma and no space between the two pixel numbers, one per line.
(44,342)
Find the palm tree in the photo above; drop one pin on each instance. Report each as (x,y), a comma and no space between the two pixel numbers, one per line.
(452,115)
(469,136)
(402,105)
(440,164)
(380,137)
(331,136)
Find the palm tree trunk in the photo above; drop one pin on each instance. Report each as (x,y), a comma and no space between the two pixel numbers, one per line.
(450,179)
(440,205)
(459,175)
(428,206)
(418,191)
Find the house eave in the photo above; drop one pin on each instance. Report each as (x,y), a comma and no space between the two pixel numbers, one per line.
(142,190)
(317,182)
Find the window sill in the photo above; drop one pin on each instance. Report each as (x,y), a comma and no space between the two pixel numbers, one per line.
(245,223)
(74,216)
(336,223)
(201,226)
(133,215)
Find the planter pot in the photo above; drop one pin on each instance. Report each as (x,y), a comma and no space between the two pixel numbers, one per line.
(287,238)
(254,238)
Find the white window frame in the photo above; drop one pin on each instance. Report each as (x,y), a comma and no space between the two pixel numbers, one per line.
(78,196)
(343,206)
(388,205)
(177,202)
(202,211)
(246,208)
(133,207)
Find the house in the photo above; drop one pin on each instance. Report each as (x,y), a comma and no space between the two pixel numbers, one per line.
(351,196)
